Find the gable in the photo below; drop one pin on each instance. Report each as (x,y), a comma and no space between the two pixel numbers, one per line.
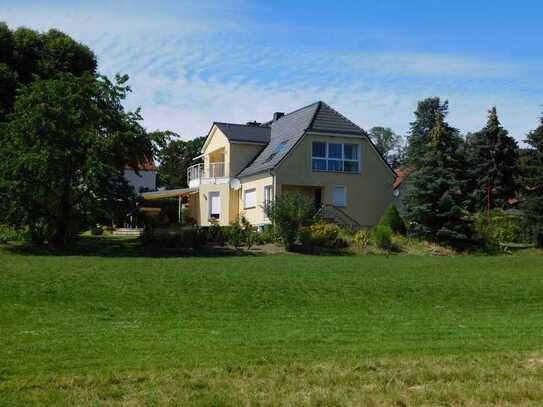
(289,129)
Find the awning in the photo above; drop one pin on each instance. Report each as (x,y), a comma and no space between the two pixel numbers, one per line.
(168,193)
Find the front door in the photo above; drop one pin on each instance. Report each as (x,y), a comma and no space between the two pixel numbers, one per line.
(318,199)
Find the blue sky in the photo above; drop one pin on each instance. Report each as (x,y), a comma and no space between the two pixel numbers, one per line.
(192,62)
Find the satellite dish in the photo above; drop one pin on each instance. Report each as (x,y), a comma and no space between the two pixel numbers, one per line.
(235,184)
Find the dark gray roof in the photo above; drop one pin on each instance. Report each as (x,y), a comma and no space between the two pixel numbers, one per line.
(289,129)
(245,133)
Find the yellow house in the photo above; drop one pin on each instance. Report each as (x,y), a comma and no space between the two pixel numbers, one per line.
(314,150)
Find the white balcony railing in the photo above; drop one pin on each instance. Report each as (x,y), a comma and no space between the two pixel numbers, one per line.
(199,172)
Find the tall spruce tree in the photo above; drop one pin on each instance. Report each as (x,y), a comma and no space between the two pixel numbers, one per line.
(533,183)
(419,134)
(435,203)
(494,165)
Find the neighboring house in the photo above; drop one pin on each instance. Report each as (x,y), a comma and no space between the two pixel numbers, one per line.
(314,150)
(142,180)
(398,188)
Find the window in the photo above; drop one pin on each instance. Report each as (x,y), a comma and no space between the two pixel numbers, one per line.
(249,198)
(268,194)
(214,205)
(339,196)
(335,157)
(268,198)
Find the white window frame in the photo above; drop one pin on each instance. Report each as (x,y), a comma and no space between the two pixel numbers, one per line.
(245,192)
(326,157)
(339,204)
(268,198)
(210,205)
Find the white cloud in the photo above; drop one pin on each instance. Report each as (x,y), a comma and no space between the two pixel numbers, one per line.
(188,69)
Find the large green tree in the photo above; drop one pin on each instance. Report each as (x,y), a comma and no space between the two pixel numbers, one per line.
(418,138)
(388,143)
(63,150)
(533,182)
(493,165)
(435,203)
(175,158)
(27,55)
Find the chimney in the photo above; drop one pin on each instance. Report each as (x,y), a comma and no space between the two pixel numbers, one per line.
(277,116)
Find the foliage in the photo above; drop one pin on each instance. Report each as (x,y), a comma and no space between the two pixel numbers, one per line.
(216,233)
(26,55)
(388,143)
(322,235)
(97,231)
(63,152)
(267,235)
(434,202)
(241,232)
(428,111)
(10,234)
(533,183)
(174,238)
(494,166)
(175,158)
(361,238)
(289,212)
(497,227)
(382,235)
(392,219)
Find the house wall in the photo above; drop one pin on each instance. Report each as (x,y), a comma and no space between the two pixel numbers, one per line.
(240,155)
(203,200)
(368,192)
(256,215)
(145,180)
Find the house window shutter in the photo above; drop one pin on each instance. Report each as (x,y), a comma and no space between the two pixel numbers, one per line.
(250,198)
(214,205)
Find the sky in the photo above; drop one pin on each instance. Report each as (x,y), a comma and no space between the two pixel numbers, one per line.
(194,62)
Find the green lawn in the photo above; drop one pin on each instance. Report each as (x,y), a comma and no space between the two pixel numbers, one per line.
(270,330)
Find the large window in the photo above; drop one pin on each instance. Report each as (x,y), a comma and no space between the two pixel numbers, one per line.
(335,157)
(268,198)
(249,198)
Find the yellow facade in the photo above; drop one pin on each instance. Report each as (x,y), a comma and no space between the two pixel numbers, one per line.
(368,192)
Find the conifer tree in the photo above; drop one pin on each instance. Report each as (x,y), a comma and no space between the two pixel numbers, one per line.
(419,134)
(435,202)
(494,165)
(534,183)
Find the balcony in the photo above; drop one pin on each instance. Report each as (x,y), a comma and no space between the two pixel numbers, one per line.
(211,173)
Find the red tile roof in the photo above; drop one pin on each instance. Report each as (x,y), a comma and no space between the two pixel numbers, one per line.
(146,166)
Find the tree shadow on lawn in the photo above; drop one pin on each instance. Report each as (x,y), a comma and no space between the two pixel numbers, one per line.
(106,246)
(109,246)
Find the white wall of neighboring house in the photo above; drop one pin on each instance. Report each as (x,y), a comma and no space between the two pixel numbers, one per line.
(146,180)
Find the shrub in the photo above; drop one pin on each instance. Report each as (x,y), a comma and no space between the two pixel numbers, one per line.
(393,220)
(97,230)
(267,235)
(241,232)
(216,233)
(175,238)
(10,234)
(497,227)
(361,239)
(382,235)
(289,212)
(322,235)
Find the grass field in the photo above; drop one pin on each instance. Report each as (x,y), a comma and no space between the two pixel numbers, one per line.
(125,328)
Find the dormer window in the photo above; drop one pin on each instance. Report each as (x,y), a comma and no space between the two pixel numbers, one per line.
(335,157)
